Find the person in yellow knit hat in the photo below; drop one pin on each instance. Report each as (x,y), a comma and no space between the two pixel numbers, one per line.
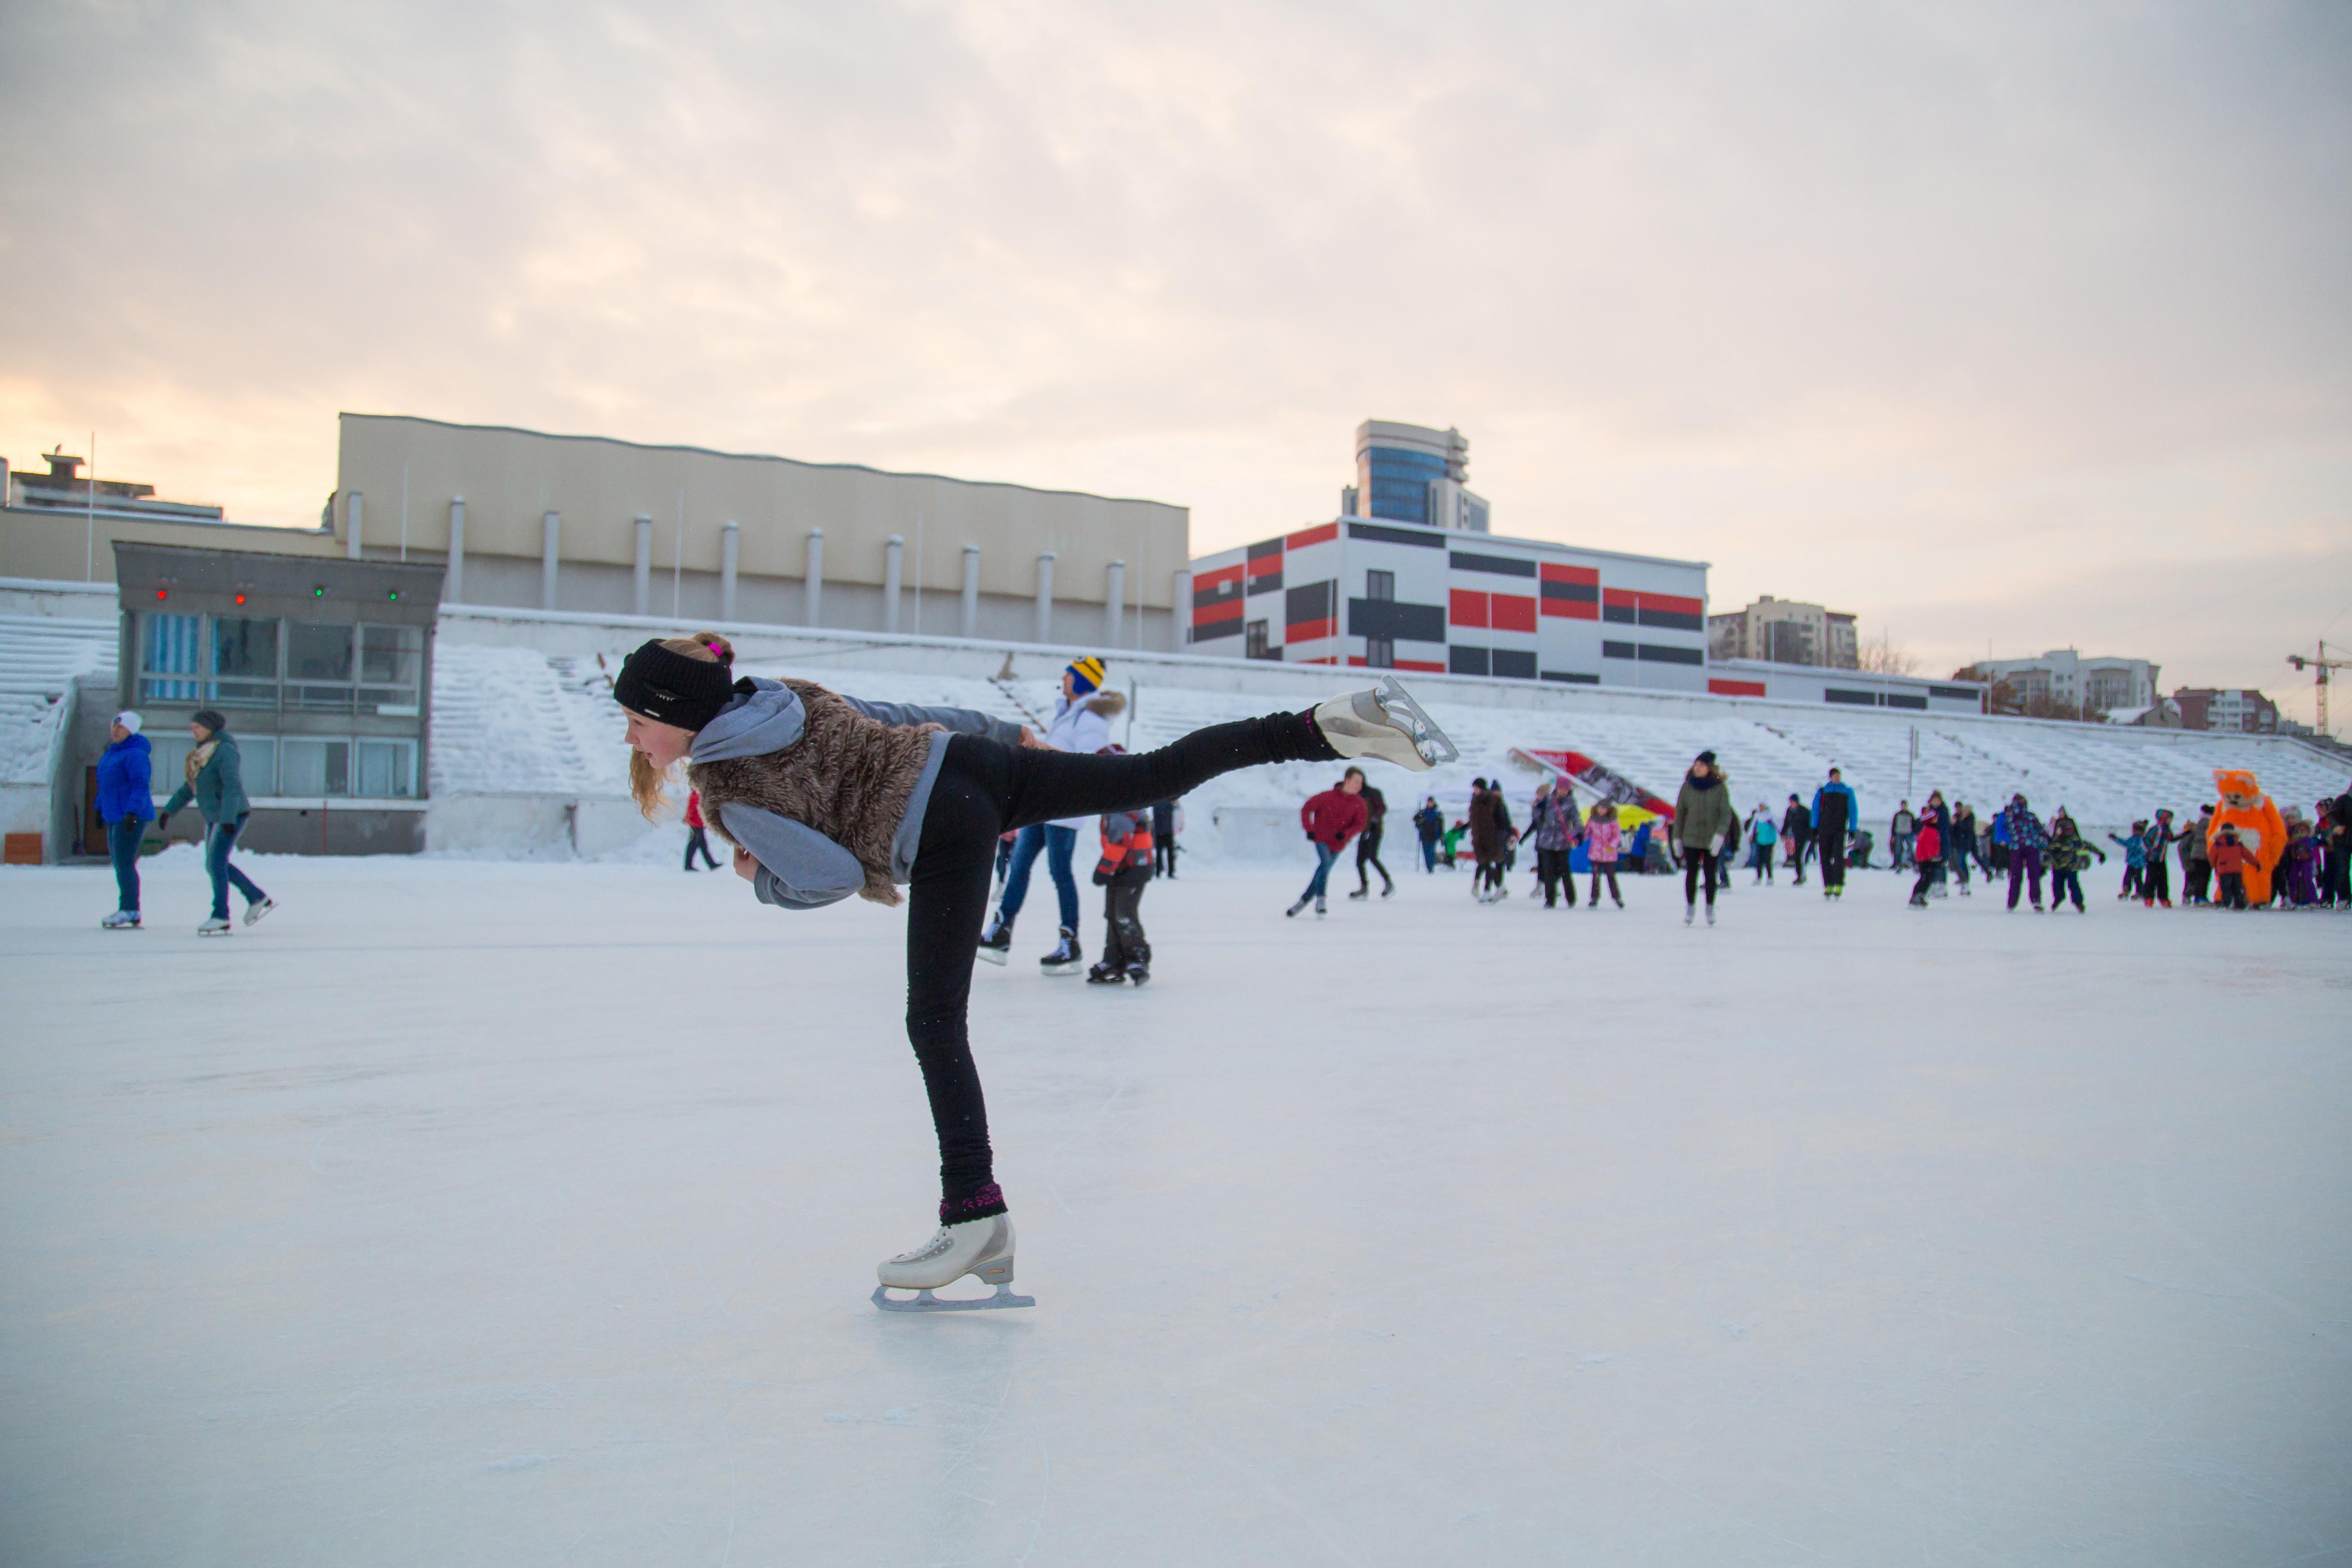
(1081,722)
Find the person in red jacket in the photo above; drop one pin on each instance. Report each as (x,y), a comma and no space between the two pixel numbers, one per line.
(2231,860)
(696,838)
(1330,819)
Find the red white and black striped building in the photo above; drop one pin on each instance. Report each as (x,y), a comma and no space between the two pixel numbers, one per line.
(1394,596)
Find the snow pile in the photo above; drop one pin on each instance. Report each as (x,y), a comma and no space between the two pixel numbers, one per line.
(40,658)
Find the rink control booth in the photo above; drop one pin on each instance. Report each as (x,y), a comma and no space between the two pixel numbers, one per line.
(323,669)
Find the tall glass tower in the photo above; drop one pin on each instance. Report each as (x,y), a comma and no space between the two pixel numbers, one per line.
(1410,473)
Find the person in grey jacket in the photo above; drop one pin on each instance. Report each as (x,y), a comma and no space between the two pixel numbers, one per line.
(215,782)
(825,796)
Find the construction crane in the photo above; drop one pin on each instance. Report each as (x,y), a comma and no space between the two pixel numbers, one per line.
(2319,668)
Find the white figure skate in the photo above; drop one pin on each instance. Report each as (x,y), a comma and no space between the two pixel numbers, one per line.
(1387,723)
(979,1247)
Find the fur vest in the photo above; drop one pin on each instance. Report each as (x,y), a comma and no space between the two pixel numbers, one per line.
(850,777)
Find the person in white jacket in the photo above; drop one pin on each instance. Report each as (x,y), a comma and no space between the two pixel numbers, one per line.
(1081,723)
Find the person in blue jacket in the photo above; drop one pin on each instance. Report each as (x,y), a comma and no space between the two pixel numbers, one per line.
(1836,813)
(126,804)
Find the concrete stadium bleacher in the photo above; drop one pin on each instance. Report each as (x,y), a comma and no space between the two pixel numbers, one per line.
(521,709)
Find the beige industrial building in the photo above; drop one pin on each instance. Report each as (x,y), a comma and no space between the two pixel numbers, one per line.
(1785,631)
(527,521)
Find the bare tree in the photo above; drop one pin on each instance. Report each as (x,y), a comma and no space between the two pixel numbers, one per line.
(1881,656)
(2003,698)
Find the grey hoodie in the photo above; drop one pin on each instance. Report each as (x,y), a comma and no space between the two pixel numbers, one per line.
(801,868)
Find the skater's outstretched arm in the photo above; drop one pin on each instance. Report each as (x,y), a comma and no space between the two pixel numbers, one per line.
(957,721)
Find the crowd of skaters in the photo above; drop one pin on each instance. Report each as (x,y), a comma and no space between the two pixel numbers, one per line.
(1941,844)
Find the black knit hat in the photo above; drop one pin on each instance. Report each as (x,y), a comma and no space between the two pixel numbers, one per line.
(210,718)
(671,688)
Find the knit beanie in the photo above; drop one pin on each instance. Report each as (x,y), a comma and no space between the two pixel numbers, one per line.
(210,718)
(1086,674)
(129,720)
(669,687)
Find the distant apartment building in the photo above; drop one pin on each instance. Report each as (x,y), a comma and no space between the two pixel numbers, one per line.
(2235,710)
(1410,473)
(2067,679)
(1785,631)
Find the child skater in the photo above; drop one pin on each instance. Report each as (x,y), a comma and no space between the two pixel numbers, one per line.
(1926,853)
(2135,858)
(824,796)
(1600,841)
(2070,853)
(1121,873)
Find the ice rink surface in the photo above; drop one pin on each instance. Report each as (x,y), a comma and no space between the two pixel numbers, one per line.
(515,1214)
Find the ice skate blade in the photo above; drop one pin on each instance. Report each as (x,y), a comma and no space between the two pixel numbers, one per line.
(1435,747)
(925,1301)
(991,955)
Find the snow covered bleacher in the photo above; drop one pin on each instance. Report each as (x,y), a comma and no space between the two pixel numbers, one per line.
(41,656)
(510,719)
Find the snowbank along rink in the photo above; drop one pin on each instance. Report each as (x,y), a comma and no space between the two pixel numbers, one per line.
(477,1213)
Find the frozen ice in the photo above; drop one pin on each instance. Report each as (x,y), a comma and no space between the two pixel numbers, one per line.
(500,1214)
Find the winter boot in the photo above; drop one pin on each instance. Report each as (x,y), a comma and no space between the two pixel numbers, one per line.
(996,941)
(1067,957)
(1387,723)
(1109,972)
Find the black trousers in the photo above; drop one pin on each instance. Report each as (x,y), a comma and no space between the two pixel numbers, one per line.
(1368,854)
(2156,881)
(984,788)
(1695,862)
(1163,854)
(1551,870)
(1832,846)
(698,841)
(1603,868)
(1123,939)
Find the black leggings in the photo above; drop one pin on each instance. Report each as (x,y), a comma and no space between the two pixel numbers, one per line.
(1368,853)
(1693,862)
(985,788)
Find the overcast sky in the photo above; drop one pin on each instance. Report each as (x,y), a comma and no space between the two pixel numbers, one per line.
(2007,326)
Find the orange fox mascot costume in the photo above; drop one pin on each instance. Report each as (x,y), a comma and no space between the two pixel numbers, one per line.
(2259,828)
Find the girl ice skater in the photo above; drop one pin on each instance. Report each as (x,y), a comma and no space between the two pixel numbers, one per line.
(824,796)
